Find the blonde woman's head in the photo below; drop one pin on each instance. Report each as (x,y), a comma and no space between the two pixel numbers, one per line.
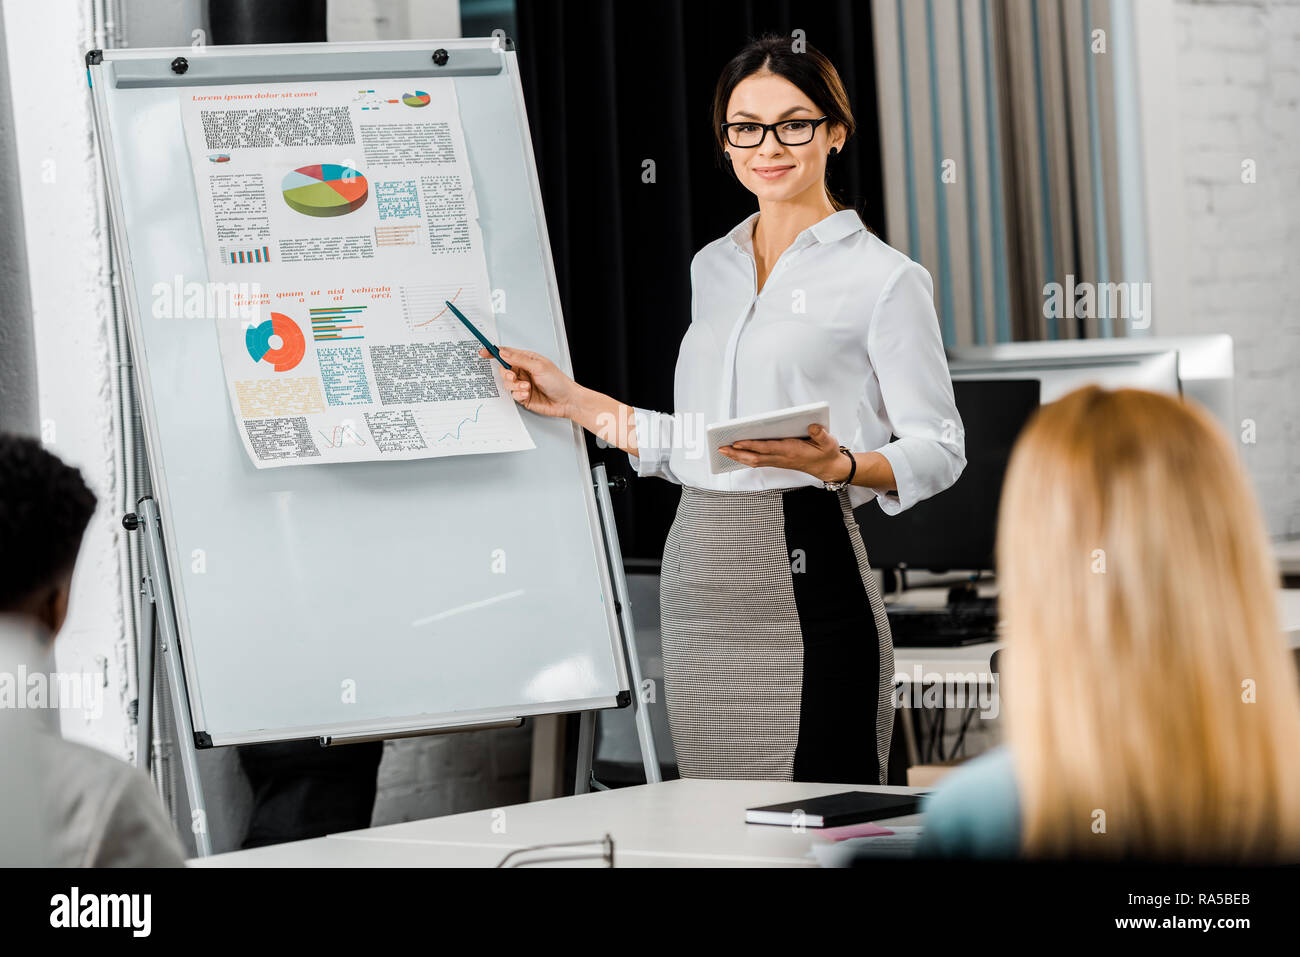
(1152,705)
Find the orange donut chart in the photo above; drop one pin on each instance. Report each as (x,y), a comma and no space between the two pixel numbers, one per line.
(293,344)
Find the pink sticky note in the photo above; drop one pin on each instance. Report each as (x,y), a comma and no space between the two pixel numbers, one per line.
(866,829)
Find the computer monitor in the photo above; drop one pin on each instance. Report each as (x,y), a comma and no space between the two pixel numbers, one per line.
(1205,363)
(957,528)
(1061,375)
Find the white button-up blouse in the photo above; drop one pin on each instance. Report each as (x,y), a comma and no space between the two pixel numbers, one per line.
(843,319)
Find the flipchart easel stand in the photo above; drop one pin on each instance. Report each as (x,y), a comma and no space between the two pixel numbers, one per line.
(158,628)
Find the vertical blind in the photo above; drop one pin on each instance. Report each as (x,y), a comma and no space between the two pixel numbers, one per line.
(1003,166)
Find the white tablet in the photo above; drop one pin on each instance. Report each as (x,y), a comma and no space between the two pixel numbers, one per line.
(790,423)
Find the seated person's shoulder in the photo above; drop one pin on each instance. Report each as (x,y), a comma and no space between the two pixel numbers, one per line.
(102,812)
(975,811)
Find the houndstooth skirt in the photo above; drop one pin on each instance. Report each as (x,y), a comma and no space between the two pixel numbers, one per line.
(778,661)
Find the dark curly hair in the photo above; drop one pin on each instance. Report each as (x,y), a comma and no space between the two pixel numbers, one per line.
(45,506)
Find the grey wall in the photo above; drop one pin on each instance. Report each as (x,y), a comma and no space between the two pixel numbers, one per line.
(161,23)
(18,404)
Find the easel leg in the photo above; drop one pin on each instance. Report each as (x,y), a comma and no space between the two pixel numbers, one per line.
(189,757)
(147,642)
(641,710)
(165,614)
(586,752)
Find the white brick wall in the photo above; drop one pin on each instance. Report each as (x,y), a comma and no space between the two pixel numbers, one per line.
(1238,90)
(71,318)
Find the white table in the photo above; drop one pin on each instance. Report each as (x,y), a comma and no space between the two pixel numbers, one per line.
(691,823)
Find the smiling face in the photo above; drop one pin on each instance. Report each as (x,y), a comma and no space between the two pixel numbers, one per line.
(773,171)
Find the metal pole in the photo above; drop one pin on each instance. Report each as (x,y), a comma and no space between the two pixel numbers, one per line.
(166,616)
(147,642)
(644,729)
(586,752)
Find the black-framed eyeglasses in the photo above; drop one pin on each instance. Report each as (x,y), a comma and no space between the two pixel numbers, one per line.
(746,135)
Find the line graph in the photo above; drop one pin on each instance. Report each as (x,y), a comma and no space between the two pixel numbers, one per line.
(341,434)
(441,312)
(466,425)
(425,309)
(460,425)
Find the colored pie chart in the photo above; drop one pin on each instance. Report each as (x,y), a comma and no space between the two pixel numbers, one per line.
(292,343)
(418,98)
(326,189)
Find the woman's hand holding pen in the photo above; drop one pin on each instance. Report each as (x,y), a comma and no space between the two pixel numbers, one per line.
(539,386)
(537,383)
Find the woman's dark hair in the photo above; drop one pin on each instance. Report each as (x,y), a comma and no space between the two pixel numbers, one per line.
(809,70)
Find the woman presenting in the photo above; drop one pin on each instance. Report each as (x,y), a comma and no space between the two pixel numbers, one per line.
(778,661)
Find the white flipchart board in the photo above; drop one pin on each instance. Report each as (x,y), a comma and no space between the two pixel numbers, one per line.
(290,583)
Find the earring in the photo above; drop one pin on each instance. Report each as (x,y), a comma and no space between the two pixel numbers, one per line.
(834,151)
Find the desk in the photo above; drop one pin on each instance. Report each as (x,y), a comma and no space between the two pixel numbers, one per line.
(975,658)
(968,665)
(692,823)
(1288,560)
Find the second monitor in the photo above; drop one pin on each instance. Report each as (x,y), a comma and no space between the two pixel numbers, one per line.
(957,528)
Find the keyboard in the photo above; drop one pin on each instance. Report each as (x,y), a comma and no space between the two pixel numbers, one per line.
(943,627)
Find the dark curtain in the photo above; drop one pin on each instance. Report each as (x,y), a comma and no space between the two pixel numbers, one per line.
(255,21)
(610,85)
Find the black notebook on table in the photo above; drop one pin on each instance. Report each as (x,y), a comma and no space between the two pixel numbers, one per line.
(837,810)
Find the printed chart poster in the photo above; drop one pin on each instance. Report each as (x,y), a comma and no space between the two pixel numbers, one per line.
(342,221)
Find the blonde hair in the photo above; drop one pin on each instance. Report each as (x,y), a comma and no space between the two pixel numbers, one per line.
(1152,706)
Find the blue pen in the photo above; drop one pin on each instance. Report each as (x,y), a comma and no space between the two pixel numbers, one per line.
(496,353)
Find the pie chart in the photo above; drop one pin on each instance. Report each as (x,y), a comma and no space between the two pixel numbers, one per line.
(292,346)
(325,189)
(418,98)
